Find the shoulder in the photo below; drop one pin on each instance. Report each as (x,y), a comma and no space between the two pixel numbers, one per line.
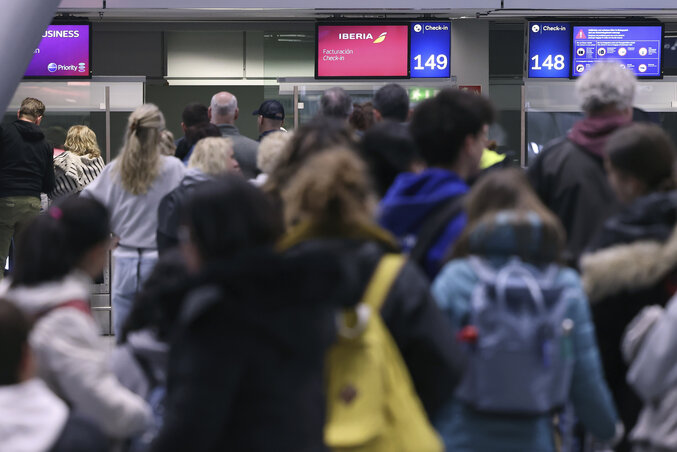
(455,277)
(199,302)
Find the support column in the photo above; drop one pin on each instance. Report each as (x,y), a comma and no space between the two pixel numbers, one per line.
(470,52)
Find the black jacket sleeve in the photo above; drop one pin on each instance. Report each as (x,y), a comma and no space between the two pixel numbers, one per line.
(168,223)
(48,179)
(425,338)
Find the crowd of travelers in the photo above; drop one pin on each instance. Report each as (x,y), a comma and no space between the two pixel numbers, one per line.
(375,280)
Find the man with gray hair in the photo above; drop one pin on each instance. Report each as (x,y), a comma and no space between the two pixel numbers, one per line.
(223,112)
(568,175)
(336,103)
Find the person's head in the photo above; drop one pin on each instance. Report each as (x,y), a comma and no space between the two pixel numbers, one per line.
(225,217)
(509,190)
(74,234)
(197,132)
(214,156)
(223,108)
(55,136)
(311,138)
(389,150)
(450,130)
(167,146)
(640,159)
(270,151)
(270,116)
(158,303)
(15,358)
(391,102)
(606,89)
(139,160)
(194,114)
(31,110)
(81,140)
(336,103)
(332,188)
(362,117)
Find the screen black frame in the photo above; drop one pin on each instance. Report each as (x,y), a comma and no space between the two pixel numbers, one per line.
(619,23)
(527,47)
(88,76)
(363,22)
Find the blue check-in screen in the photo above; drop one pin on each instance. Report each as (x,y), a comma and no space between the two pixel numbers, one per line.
(638,48)
(549,50)
(429,49)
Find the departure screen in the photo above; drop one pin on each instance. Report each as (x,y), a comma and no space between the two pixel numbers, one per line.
(638,48)
(362,51)
(429,49)
(63,52)
(549,50)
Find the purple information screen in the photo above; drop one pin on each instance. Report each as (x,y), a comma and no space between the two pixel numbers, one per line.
(63,52)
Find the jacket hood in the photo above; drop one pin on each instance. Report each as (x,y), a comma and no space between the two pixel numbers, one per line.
(69,162)
(413,196)
(33,300)
(592,133)
(510,233)
(288,299)
(629,266)
(194,177)
(29,131)
(32,417)
(650,217)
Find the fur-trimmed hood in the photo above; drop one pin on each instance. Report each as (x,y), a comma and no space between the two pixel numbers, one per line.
(628,266)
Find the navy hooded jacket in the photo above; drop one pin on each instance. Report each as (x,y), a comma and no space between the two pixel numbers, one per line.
(408,204)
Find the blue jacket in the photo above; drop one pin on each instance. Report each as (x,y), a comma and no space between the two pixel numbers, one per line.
(408,203)
(464,429)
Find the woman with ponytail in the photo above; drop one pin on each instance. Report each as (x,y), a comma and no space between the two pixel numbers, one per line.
(131,187)
(329,205)
(60,252)
(633,262)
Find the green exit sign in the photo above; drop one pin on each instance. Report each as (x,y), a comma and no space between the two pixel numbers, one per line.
(418,94)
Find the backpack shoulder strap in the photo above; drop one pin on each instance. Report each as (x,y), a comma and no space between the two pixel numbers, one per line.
(382,280)
(433,226)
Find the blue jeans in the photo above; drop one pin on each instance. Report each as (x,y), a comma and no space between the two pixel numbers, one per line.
(129,274)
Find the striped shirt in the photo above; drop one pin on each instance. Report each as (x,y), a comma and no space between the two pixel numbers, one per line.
(74,172)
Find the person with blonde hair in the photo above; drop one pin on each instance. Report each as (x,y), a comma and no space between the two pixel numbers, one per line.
(270,155)
(167,145)
(211,157)
(79,165)
(131,187)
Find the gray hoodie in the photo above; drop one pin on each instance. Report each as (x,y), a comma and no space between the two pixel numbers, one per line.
(650,346)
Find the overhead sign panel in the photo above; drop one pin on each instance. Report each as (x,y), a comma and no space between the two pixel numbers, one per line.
(549,50)
(429,49)
(64,51)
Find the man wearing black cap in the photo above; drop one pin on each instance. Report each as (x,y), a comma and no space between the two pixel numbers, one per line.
(270,117)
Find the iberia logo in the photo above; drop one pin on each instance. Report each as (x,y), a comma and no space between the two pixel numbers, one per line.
(381,38)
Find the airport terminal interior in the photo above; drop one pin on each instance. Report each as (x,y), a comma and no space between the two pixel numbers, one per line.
(231,225)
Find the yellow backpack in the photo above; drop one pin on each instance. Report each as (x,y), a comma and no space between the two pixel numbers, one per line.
(372,405)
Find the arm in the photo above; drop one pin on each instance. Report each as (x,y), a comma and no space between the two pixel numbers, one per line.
(425,338)
(48,178)
(168,223)
(68,341)
(589,392)
(202,386)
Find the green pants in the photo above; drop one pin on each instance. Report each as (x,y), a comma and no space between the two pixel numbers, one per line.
(15,213)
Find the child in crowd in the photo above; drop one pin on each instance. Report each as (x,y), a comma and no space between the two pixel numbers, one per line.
(32,418)
(58,255)
(506,289)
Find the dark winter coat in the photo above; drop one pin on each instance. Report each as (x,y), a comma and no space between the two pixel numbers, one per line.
(246,364)
(634,265)
(26,165)
(424,337)
(571,181)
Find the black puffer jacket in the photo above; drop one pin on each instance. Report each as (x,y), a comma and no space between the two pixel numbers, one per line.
(423,334)
(633,264)
(26,161)
(571,182)
(246,363)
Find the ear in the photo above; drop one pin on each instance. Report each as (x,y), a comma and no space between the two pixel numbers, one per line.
(209,113)
(183,127)
(237,113)
(38,121)
(377,116)
(18,113)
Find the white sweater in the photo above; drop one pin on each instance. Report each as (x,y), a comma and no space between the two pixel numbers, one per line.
(71,356)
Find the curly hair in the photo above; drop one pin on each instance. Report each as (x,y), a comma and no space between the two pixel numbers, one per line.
(331,188)
(81,140)
(212,155)
(606,84)
(139,161)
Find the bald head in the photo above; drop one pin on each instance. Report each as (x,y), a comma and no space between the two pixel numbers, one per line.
(223,108)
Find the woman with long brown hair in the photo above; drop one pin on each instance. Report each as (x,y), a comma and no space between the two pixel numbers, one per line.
(131,187)
(523,317)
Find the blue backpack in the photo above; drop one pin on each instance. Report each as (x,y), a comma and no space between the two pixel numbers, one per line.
(521,350)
